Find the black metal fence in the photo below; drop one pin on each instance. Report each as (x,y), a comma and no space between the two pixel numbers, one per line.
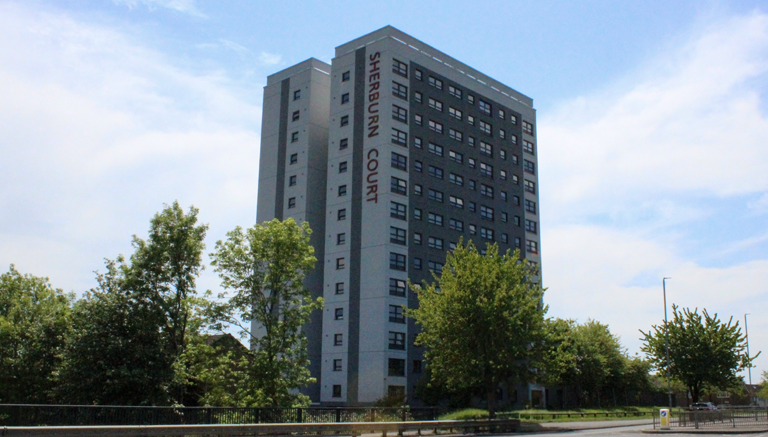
(88,415)
(716,419)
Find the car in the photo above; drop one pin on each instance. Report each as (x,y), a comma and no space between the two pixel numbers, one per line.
(702,406)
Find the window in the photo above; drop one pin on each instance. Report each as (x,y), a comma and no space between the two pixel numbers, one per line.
(336,390)
(343,143)
(397,340)
(486,149)
(294,158)
(297,95)
(399,137)
(513,139)
(436,149)
(417,119)
(472,229)
(435,126)
(417,263)
(345,76)
(435,267)
(484,106)
(292,202)
(295,116)
(418,97)
(528,147)
(417,238)
(486,213)
(504,217)
(435,243)
(399,161)
(471,120)
(502,133)
(486,233)
(340,264)
(435,195)
(435,172)
(486,170)
(416,214)
(339,288)
(417,142)
(435,219)
(516,220)
(502,154)
(503,175)
(530,206)
(516,200)
(342,190)
(456,179)
(455,113)
(436,104)
(471,185)
(471,162)
(417,165)
(399,114)
(472,206)
(435,82)
(515,179)
(417,74)
(397,210)
(471,141)
(417,366)
(530,226)
(338,314)
(486,127)
(517,242)
(504,238)
(344,120)
(396,235)
(503,195)
(341,214)
(400,90)
(456,225)
(400,68)
(292,181)
(529,166)
(471,98)
(399,186)
(397,287)
(456,156)
(396,261)
(531,246)
(341,238)
(396,314)
(452,90)
(455,135)
(417,189)
(527,128)
(501,114)
(530,186)
(457,202)
(396,367)
(338,339)
(344,98)
(513,119)
(294,137)
(343,167)
(515,160)
(337,367)
(486,190)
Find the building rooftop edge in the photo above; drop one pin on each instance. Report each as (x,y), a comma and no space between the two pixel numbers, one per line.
(298,68)
(435,55)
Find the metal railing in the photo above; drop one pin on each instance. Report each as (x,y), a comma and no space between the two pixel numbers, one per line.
(93,415)
(540,415)
(715,419)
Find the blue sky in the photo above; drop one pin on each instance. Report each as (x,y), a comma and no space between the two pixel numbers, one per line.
(651,120)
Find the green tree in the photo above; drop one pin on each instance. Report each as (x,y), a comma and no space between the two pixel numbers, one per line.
(763,391)
(34,319)
(130,332)
(482,322)
(703,351)
(264,267)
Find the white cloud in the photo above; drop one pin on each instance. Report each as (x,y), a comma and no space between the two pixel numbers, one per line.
(97,131)
(759,206)
(184,6)
(269,58)
(689,123)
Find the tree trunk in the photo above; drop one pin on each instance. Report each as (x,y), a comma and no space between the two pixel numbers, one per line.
(491,395)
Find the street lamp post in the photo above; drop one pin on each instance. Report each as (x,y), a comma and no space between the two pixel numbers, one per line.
(746,329)
(666,335)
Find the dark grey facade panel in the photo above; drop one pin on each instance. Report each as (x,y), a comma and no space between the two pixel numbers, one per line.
(282,142)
